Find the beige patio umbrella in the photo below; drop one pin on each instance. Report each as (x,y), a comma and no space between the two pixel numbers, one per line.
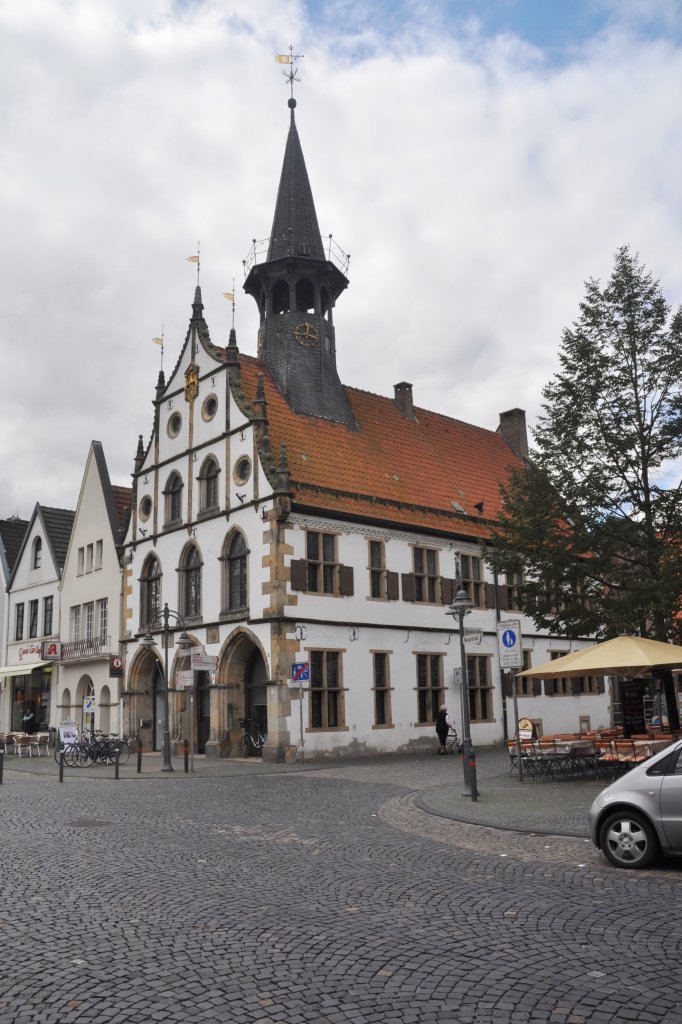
(623,656)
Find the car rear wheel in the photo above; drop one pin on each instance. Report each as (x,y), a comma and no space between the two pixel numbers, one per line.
(628,840)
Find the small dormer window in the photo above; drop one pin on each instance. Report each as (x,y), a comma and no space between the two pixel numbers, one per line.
(303,249)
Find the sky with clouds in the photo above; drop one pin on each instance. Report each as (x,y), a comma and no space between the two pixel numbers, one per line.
(479,160)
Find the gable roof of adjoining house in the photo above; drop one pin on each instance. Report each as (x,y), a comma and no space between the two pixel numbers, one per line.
(12,533)
(427,473)
(58,523)
(123,497)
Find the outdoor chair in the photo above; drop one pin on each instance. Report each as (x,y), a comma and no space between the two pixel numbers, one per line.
(26,745)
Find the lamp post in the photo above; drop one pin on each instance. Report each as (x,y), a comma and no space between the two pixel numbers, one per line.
(460,607)
(183,643)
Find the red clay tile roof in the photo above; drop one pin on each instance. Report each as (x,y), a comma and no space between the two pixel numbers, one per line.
(391,469)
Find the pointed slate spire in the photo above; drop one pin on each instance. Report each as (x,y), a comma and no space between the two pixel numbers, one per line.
(295,231)
(197,305)
(139,454)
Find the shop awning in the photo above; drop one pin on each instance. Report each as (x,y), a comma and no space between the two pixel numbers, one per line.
(21,670)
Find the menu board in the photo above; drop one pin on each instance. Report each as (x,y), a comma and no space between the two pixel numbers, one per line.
(632,695)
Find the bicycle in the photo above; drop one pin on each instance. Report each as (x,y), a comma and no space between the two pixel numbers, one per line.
(97,749)
(250,744)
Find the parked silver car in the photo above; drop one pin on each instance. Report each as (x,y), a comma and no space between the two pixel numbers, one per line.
(640,814)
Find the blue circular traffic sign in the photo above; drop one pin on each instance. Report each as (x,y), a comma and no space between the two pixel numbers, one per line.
(509,638)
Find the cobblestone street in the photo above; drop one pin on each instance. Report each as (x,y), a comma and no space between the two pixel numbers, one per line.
(328,895)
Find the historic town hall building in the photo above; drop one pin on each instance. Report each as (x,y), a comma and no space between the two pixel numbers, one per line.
(280,518)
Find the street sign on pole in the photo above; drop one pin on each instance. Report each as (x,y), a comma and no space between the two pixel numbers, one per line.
(203,662)
(472,635)
(300,673)
(184,680)
(509,643)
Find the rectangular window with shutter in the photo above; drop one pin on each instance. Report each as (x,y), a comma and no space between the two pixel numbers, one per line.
(472,579)
(320,571)
(526,687)
(425,574)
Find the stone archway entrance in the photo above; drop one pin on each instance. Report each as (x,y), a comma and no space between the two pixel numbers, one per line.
(240,692)
(143,701)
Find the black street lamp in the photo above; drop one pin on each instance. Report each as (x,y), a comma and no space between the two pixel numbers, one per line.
(460,607)
(183,643)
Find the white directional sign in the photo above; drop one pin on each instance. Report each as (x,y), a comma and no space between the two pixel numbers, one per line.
(203,662)
(472,635)
(509,643)
(184,680)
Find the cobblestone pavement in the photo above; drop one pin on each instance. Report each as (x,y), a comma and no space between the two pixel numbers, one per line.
(327,894)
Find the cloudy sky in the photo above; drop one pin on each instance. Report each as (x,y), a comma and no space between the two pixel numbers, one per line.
(479,160)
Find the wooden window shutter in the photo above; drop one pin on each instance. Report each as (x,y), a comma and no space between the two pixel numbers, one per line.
(447,590)
(550,687)
(346,580)
(299,574)
(537,687)
(601,684)
(576,686)
(392,586)
(409,586)
(502,597)
(489,595)
(507,684)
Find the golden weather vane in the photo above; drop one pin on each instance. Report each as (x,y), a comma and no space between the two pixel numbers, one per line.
(290,58)
(159,341)
(196,259)
(230,298)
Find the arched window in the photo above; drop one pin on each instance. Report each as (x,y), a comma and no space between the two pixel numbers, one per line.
(190,582)
(173,496)
(37,553)
(280,297)
(150,592)
(235,577)
(305,296)
(208,485)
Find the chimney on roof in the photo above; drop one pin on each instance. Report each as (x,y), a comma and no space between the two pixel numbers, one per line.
(403,399)
(512,429)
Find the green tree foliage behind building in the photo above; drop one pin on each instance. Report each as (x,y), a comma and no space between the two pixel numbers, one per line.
(595,519)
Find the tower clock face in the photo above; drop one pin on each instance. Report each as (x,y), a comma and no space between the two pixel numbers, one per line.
(306,334)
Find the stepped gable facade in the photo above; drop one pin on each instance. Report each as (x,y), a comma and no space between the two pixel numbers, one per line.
(304,539)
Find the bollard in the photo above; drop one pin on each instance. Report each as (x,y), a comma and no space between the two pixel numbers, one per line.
(139,756)
(185,746)
(61,765)
(472,775)
(116,763)
(2,761)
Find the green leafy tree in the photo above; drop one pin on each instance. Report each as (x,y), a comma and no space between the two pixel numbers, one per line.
(595,518)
